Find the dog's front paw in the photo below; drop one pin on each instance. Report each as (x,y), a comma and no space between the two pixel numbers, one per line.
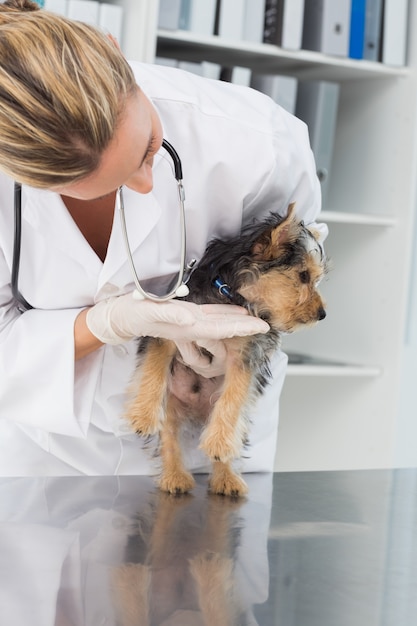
(176,482)
(145,419)
(219,446)
(226,482)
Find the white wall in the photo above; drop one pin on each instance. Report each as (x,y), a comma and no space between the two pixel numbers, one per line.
(405,451)
(406,441)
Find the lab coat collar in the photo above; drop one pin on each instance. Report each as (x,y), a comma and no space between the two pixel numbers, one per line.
(45,212)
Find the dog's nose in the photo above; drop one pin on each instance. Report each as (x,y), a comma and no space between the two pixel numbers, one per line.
(321,314)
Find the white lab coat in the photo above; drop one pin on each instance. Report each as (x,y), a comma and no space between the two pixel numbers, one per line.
(242,157)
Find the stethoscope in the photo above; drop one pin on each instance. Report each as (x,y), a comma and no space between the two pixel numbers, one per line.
(180,288)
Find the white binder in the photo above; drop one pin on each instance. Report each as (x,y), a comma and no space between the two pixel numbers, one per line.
(198,16)
(373,24)
(56,6)
(317,104)
(231,19)
(169,14)
(253,21)
(292,24)
(83,11)
(327,26)
(110,19)
(283,23)
(282,89)
(394,37)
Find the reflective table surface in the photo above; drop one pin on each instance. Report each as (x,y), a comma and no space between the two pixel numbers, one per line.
(304,549)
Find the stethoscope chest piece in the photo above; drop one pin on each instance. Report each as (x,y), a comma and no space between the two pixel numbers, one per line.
(181,292)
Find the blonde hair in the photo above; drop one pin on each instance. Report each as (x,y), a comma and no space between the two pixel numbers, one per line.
(63,86)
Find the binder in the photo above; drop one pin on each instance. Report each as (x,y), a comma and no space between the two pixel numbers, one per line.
(273,22)
(193,67)
(83,11)
(110,19)
(169,14)
(56,6)
(394,32)
(292,28)
(198,16)
(317,105)
(357,29)
(205,68)
(253,21)
(326,26)
(210,70)
(184,17)
(167,62)
(231,16)
(241,76)
(283,24)
(237,75)
(373,25)
(282,89)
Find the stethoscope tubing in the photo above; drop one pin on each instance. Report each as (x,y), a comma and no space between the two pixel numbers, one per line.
(179,288)
(22,303)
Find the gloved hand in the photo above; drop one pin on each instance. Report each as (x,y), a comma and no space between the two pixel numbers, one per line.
(200,362)
(121,318)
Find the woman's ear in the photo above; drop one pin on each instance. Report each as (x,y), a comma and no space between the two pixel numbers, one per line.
(114,41)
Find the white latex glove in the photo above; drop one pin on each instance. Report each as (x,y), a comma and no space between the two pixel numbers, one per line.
(201,363)
(121,318)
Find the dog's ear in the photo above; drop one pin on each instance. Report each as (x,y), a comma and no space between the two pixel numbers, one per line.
(266,247)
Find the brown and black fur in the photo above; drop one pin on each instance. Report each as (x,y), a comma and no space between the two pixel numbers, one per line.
(272,268)
(180,564)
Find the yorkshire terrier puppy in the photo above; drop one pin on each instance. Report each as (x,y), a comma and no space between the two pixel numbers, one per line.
(272,268)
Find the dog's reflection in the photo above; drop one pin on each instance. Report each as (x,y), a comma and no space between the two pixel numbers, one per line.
(179,564)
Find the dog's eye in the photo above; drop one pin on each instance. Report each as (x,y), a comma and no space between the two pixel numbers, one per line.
(305,276)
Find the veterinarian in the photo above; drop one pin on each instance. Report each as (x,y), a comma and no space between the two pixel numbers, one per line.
(77,122)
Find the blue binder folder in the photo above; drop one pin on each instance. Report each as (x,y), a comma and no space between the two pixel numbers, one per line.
(357,29)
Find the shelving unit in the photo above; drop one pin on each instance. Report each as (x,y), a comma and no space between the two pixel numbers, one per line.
(328,368)
(186,46)
(337,217)
(339,413)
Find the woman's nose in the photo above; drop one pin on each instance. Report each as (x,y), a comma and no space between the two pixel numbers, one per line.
(142,181)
